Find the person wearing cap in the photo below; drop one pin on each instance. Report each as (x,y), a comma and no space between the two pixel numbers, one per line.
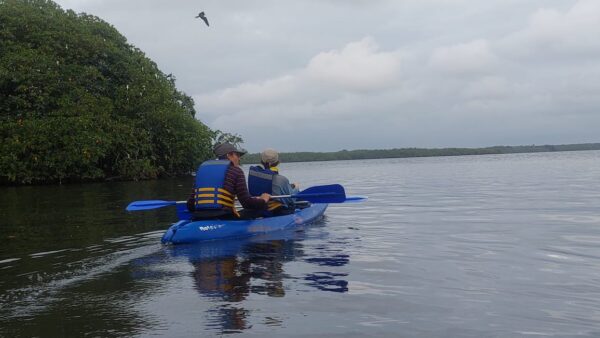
(267,179)
(218,182)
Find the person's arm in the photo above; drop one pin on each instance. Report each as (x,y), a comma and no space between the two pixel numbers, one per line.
(281,186)
(235,182)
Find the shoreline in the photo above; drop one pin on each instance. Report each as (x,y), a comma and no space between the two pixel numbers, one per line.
(252,159)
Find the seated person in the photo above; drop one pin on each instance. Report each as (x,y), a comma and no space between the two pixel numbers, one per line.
(266,179)
(219,182)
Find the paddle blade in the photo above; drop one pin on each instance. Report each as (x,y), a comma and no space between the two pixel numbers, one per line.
(148,205)
(355,199)
(333,193)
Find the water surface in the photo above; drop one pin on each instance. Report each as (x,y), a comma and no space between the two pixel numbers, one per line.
(471,246)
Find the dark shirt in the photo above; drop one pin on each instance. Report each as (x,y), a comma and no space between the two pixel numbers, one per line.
(235,183)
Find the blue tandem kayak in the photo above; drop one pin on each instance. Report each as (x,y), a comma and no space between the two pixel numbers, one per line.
(187,231)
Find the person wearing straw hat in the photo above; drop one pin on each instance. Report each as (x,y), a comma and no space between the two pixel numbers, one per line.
(219,182)
(267,179)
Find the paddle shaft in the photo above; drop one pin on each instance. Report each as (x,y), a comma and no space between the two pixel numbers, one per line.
(348,198)
(333,193)
(304,195)
(149,205)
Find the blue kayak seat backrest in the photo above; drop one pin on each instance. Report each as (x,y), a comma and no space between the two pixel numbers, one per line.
(260,181)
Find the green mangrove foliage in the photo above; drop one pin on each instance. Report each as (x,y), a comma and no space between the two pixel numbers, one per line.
(222,137)
(419,152)
(79,103)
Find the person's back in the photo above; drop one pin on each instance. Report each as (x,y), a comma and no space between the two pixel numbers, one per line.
(219,182)
(266,179)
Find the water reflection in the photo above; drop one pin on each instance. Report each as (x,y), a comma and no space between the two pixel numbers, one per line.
(331,255)
(328,281)
(230,271)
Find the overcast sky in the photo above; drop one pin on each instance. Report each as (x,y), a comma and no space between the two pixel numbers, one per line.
(326,75)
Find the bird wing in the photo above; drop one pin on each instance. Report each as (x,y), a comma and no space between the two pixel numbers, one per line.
(205,20)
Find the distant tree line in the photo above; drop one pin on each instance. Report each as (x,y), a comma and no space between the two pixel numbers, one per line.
(419,152)
(79,103)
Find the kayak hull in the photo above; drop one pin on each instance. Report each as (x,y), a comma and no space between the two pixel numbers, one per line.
(186,231)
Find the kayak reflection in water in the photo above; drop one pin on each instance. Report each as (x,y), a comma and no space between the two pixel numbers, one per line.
(233,278)
(230,277)
(231,271)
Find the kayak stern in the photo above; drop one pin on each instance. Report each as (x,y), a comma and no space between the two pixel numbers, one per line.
(187,231)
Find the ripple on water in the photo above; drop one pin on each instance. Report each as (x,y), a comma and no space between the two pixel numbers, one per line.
(367,288)
(152,234)
(47,253)
(8,260)
(380,321)
(570,253)
(583,239)
(570,218)
(121,239)
(39,289)
(487,237)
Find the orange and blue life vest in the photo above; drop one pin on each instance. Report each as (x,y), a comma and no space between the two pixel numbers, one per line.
(208,187)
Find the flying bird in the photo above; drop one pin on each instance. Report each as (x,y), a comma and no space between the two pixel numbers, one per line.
(201,16)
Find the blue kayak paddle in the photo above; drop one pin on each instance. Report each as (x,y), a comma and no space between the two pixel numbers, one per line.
(355,199)
(333,193)
(149,205)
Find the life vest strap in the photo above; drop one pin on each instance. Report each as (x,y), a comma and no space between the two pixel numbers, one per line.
(205,189)
(272,205)
(214,190)
(210,197)
(225,198)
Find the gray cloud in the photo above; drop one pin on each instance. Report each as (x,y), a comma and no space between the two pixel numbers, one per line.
(330,75)
(474,57)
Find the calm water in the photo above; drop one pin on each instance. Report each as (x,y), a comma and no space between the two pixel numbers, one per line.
(474,246)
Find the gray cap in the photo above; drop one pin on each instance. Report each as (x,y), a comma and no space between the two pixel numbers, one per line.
(270,156)
(223,149)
